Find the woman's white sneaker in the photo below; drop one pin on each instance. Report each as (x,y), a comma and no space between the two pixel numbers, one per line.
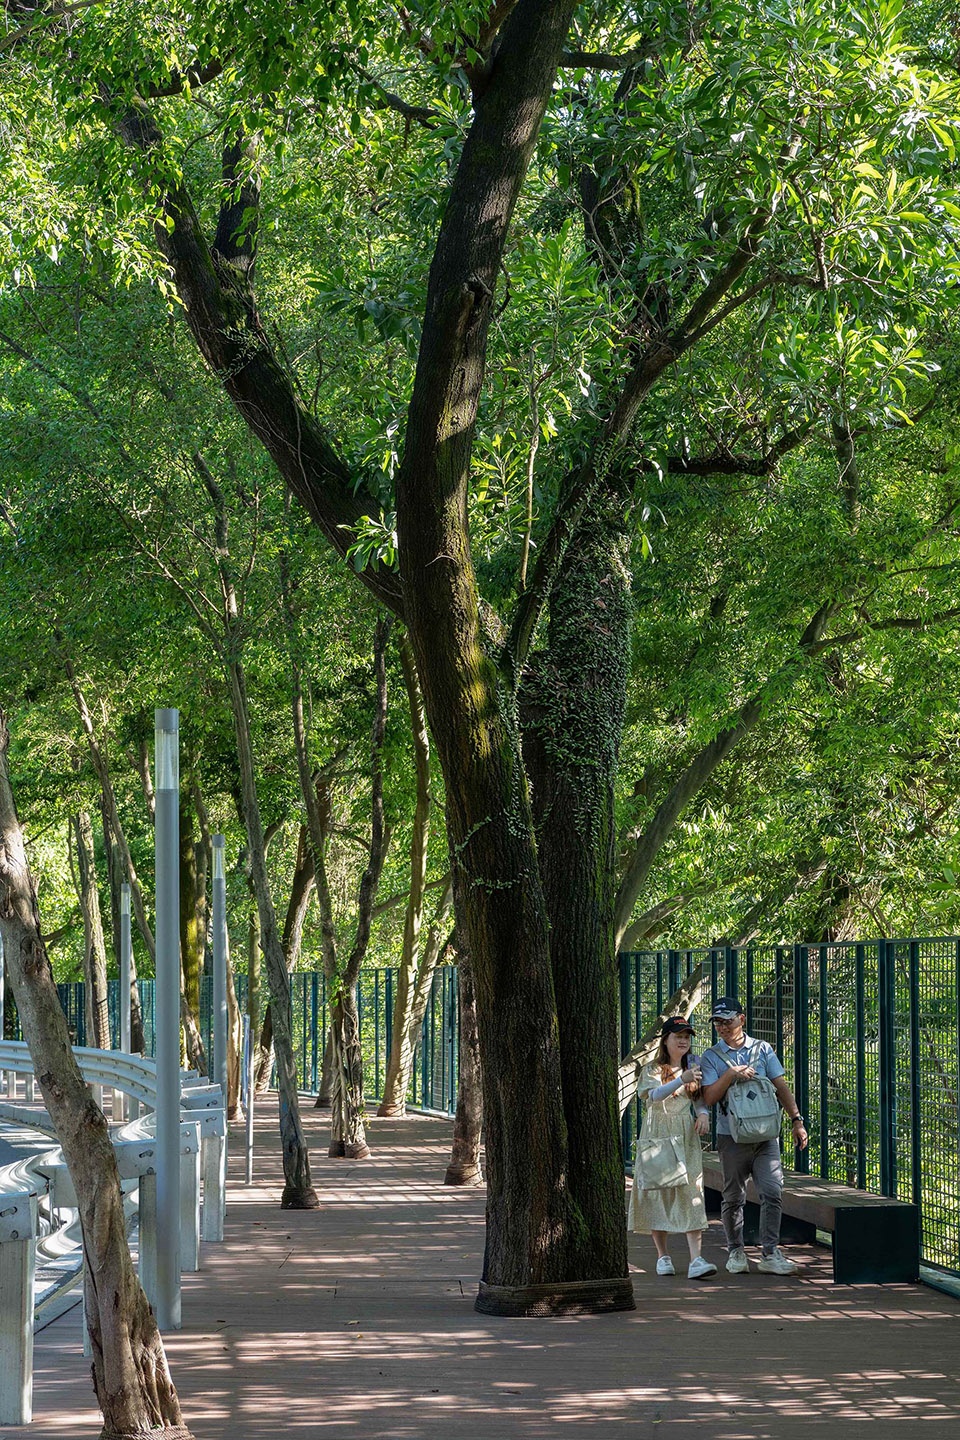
(665,1266)
(700,1269)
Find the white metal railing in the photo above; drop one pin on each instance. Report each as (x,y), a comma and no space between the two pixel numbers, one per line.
(43,1180)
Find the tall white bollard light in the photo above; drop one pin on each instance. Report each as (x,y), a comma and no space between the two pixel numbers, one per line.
(122,1103)
(167,787)
(126,962)
(219,966)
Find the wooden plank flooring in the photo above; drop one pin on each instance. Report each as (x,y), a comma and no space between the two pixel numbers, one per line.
(357,1322)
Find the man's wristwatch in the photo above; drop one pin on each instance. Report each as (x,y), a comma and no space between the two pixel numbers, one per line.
(794,1118)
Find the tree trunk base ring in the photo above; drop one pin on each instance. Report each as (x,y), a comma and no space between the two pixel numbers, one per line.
(385,1109)
(564,1297)
(337,1150)
(356,1150)
(299,1199)
(162,1432)
(463,1175)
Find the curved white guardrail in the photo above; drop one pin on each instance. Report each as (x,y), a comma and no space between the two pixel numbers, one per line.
(42,1183)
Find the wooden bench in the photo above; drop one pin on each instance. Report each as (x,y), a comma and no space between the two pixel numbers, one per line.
(876,1240)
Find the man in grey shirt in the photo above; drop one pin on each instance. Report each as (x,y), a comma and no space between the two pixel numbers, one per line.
(737,1057)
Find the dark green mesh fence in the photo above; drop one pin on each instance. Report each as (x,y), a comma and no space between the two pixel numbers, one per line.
(869,1036)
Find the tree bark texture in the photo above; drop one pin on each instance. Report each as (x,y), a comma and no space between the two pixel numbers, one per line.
(298,1191)
(464,1167)
(573,718)
(130,1375)
(535,1231)
(94,949)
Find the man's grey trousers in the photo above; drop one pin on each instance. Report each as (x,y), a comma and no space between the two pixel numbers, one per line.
(739,1163)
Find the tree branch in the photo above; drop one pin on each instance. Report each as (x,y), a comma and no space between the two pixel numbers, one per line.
(221,312)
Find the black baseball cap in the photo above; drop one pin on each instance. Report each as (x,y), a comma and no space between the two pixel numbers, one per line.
(728,1007)
(676,1025)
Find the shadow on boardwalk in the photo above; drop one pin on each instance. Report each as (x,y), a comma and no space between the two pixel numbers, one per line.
(357,1321)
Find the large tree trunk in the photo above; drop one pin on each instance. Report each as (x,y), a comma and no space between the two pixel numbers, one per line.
(464,1167)
(539,1256)
(573,720)
(130,1375)
(94,949)
(298,1191)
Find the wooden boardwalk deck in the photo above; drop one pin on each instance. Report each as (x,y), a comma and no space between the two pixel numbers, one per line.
(357,1321)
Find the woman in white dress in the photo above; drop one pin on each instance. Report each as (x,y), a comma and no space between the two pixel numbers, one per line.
(670,1090)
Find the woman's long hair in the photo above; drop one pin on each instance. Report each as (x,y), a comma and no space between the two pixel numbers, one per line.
(664,1061)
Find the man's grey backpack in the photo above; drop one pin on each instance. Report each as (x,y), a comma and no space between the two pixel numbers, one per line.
(752,1107)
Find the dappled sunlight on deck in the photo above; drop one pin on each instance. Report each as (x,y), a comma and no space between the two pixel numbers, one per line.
(357,1320)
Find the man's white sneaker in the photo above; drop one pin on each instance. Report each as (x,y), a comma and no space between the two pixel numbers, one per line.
(737,1262)
(665,1266)
(700,1269)
(777,1264)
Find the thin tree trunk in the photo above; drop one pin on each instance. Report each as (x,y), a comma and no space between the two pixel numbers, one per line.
(94,949)
(191,943)
(325,1092)
(298,1191)
(301,889)
(130,1375)
(102,769)
(393,1101)
(347,1136)
(403,1050)
(115,871)
(234,1018)
(464,1167)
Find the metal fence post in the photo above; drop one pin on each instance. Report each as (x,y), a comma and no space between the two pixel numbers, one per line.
(626,1044)
(861,1079)
(915,1093)
(823,1037)
(731,983)
(673,966)
(887,1069)
(801,1046)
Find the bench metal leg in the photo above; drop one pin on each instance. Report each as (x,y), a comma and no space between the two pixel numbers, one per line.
(876,1245)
